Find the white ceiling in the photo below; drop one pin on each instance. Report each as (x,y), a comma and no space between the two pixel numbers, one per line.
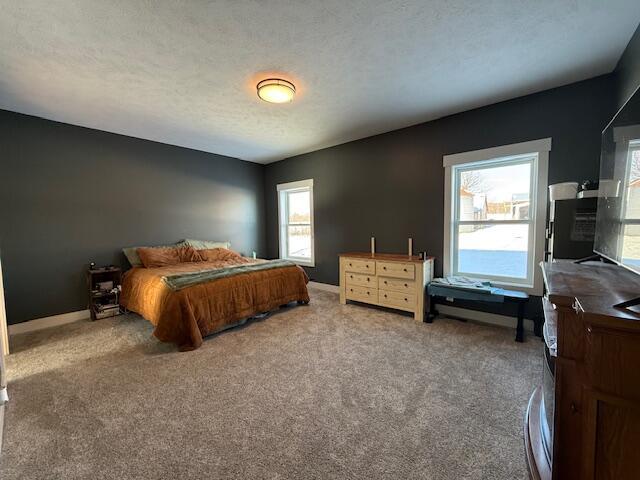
(184,72)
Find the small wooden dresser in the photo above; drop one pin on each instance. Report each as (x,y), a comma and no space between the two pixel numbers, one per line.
(388,280)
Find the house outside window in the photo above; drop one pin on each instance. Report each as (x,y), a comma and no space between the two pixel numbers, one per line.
(295,212)
(495,214)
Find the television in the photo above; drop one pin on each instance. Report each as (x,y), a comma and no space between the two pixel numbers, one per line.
(617,235)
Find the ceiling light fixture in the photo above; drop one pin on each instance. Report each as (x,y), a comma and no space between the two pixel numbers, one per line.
(276,90)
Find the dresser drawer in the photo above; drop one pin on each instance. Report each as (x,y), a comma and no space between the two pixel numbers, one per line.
(396,269)
(405,301)
(396,285)
(360,266)
(360,279)
(362,294)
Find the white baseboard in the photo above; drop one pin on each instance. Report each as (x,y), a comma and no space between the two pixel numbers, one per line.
(325,286)
(1,425)
(473,315)
(64,318)
(46,322)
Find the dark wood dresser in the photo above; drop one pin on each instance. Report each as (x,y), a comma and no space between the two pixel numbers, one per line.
(583,422)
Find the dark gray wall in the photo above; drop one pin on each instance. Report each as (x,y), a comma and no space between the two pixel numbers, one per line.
(627,72)
(71,195)
(391,185)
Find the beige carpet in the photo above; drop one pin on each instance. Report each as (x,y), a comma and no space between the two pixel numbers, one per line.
(312,392)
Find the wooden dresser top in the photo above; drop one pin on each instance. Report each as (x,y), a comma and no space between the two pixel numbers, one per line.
(596,286)
(392,257)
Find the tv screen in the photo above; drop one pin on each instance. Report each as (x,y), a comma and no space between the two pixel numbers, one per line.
(618,218)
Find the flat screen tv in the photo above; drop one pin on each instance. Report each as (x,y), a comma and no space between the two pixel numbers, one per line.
(618,219)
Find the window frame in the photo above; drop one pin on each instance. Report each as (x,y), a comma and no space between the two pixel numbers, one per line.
(629,145)
(537,152)
(627,180)
(283,190)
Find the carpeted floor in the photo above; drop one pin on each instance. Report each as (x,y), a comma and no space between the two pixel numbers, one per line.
(312,392)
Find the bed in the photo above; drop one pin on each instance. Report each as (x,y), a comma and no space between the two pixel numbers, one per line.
(188,301)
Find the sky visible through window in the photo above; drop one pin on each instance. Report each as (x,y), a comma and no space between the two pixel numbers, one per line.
(500,183)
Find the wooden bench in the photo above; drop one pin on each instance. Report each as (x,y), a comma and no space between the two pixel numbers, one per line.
(495,295)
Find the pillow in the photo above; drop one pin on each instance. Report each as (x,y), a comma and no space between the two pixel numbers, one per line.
(206,244)
(132,253)
(152,257)
(132,256)
(218,254)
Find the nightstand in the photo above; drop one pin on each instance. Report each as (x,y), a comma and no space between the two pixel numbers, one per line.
(104,292)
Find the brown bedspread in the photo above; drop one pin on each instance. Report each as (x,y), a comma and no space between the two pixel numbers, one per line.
(185,316)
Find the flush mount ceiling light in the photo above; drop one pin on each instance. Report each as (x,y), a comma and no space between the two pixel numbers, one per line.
(276,90)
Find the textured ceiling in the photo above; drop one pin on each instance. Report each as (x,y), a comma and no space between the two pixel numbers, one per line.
(184,72)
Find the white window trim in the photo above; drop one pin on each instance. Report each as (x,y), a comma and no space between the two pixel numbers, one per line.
(623,137)
(282,189)
(541,147)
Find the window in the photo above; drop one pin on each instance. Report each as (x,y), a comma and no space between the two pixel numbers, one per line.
(295,209)
(630,240)
(495,207)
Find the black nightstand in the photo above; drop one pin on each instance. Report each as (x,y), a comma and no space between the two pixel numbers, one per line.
(104,292)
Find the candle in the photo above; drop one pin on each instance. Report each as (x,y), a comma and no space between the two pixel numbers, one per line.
(410,246)
(373,245)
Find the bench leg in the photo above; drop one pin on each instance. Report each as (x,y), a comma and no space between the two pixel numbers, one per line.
(520,326)
(431,310)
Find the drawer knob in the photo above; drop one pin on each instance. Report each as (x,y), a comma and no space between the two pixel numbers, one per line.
(385,282)
(350,276)
(384,268)
(367,266)
(385,295)
(351,289)
(367,293)
(368,279)
(406,300)
(405,269)
(351,264)
(406,286)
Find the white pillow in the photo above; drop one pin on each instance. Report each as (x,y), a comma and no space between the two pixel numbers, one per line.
(206,244)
